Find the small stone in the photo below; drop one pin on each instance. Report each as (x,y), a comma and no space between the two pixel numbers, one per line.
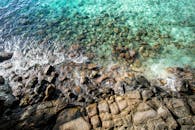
(31,82)
(122,105)
(116,30)
(49,92)
(134,95)
(141,117)
(92,110)
(95,121)
(101,78)
(118,122)
(178,107)
(92,66)
(107,124)
(77,90)
(48,70)
(77,124)
(185,121)
(103,107)
(72,96)
(143,107)
(105,116)
(187,127)
(114,108)
(147,94)
(163,112)
(2,80)
(132,53)
(5,56)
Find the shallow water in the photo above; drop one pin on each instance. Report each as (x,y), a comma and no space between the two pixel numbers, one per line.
(33,29)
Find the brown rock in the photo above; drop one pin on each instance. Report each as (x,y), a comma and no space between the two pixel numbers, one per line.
(95,121)
(77,124)
(178,107)
(103,107)
(105,116)
(134,95)
(101,78)
(143,107)
(107,124)
(114,108)
(147,94)
(49,92)
(92,66)
(122,105)
(118,122)
(141,117)
(92,110)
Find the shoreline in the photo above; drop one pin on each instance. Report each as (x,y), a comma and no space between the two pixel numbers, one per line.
(69,94)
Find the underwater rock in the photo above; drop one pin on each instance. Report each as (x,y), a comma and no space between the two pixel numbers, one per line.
(5,56)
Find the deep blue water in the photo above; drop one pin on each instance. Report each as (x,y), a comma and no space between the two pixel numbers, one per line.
(167,23)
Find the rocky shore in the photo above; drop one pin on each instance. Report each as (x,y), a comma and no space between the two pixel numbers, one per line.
(74,96)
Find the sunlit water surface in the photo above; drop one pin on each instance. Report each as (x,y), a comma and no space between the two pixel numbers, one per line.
(34,29)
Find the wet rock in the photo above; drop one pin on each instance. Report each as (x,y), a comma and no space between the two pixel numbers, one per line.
(2,80)
(5,56)
(77,124)
(6,97)
(142,81)
(181,85)
(141,117)
(48,70)
(31,82)
(49,92)
(72,96)
(37,115)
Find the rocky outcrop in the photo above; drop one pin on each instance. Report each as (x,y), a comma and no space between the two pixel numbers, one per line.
(87,96)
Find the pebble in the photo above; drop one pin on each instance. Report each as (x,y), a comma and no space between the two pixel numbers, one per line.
(2,80)
(5,56)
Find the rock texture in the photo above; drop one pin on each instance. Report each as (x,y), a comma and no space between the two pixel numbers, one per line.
(85,96)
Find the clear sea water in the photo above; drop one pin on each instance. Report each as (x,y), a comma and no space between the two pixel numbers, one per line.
(32,28)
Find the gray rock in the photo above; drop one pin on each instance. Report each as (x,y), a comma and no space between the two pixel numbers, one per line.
(2,80)
(48,70)
(141,117)
(5,56)
(77,124)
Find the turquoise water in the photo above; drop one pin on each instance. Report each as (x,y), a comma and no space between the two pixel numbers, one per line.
(98,25)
